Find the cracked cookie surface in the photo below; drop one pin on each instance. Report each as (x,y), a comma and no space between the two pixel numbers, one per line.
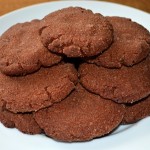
(38,90)
(22,51)
(131,44)
(124,85)
(76,32)
(81,116)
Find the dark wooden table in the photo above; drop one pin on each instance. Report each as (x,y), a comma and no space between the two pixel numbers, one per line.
(10,5)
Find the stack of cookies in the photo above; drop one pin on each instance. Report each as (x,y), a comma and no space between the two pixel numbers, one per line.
(74,75)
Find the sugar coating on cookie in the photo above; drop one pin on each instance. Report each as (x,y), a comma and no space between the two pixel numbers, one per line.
(137,111)
(81,116)
(38,90)
(76,32)
(124,85)
(22,51)
(131,44)
(23,122)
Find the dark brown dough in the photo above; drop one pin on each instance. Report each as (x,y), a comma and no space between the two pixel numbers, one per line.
(23,122)
(22,51)
(131,44)
(81,116)
(137,111)
(76,32)
(125,85)
(38,90)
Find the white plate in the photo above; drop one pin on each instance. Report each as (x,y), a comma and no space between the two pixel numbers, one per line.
(132,137)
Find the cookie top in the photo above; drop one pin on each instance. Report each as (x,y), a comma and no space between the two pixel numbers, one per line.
(22,51)
(38,90)
(76,32)
(23,122)
(124,85)
(137,111)
(81,116)
(131,44)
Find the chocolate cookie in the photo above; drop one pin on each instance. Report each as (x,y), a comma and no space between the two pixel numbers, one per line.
(22,51)
(124,85)
(23,122)
(38,90)
(81,116)
(131,44)
(137,111)
(76,32)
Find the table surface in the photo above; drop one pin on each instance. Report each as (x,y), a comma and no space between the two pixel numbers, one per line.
(10,5)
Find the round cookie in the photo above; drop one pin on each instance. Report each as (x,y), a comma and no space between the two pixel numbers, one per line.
(131,44)
(38,90)
(137,111)
(124,85)
(81,116)
(76,32)
(23,122)
(22,51)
